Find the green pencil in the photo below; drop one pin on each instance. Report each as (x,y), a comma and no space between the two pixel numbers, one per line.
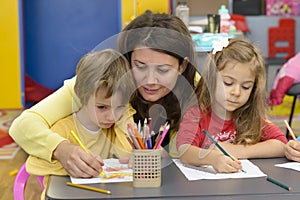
(279,184)
(219,147)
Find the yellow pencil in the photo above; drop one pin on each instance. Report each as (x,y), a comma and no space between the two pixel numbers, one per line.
(290,130)
(89,188)
(14,172)
(83,147)
(79,141)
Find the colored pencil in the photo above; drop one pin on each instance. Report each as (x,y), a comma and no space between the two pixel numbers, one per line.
(138,137)
(163,135)
(83,147)
(279,184)
(130,142)
(219,147)
(89,188)
(290,130)
(135,142)
(79,141)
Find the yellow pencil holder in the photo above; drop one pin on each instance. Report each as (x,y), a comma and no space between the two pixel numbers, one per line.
(146,168)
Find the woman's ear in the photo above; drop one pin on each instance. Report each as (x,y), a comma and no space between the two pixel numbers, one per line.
(184,64)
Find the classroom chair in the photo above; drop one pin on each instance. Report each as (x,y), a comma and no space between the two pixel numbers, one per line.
(21,180)
(293,91)
(284,33)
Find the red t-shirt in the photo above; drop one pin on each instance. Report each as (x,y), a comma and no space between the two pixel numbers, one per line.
(190,131)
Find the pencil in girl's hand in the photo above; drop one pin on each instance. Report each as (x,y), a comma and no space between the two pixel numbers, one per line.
(219,147)
(290,130)
(216,143)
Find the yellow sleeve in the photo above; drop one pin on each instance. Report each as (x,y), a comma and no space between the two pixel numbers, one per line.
(31,129)
(42,167)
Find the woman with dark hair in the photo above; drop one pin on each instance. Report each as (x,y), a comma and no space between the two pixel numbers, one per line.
(161,53)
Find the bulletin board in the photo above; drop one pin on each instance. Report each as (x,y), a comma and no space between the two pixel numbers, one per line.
(11,94)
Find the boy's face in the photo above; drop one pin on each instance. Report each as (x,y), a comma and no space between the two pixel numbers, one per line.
(234,85)
(104,112)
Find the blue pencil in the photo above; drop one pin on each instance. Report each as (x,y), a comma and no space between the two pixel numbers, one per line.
(219,147)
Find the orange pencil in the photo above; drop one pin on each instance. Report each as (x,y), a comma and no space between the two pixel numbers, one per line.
(139,138)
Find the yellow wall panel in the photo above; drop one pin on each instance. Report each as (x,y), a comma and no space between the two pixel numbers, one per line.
(156,6)
(10,81)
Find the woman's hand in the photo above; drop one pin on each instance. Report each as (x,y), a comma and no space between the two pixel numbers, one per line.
(292,150)
(76,161)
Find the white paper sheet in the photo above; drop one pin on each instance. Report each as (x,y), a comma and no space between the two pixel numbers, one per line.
(290,165)
(194,174)
(114,171)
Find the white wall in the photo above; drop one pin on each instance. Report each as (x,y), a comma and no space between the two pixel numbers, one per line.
(259,25)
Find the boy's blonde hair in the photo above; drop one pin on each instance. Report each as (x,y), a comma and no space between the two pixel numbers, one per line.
(106,69)
(248,118)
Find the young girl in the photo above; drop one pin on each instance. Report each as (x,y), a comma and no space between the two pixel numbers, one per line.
(104,85)
(232,109)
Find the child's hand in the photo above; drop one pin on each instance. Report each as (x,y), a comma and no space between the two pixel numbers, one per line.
(224,164)
(126,160)
(76,161)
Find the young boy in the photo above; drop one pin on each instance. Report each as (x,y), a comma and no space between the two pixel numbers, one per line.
(104,85)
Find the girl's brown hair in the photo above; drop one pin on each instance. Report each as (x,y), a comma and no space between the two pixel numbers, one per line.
(248,118)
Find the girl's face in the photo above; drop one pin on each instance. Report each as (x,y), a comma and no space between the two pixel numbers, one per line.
(155,73)
(234,86)
(103,112)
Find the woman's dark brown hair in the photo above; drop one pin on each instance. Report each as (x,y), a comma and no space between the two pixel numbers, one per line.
(167,34)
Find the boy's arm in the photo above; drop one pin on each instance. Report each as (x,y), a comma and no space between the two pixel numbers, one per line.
(31,130)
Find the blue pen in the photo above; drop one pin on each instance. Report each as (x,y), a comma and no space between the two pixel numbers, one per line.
(219,147)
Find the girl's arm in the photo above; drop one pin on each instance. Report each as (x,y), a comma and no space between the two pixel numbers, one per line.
(272,144)
(197,156)
(31,129)
(292,150)
(265,149)
(189,139)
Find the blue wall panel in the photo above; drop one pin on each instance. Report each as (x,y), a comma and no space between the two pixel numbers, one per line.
(58,32)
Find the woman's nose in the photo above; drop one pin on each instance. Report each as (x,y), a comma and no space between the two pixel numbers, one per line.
(152,77)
